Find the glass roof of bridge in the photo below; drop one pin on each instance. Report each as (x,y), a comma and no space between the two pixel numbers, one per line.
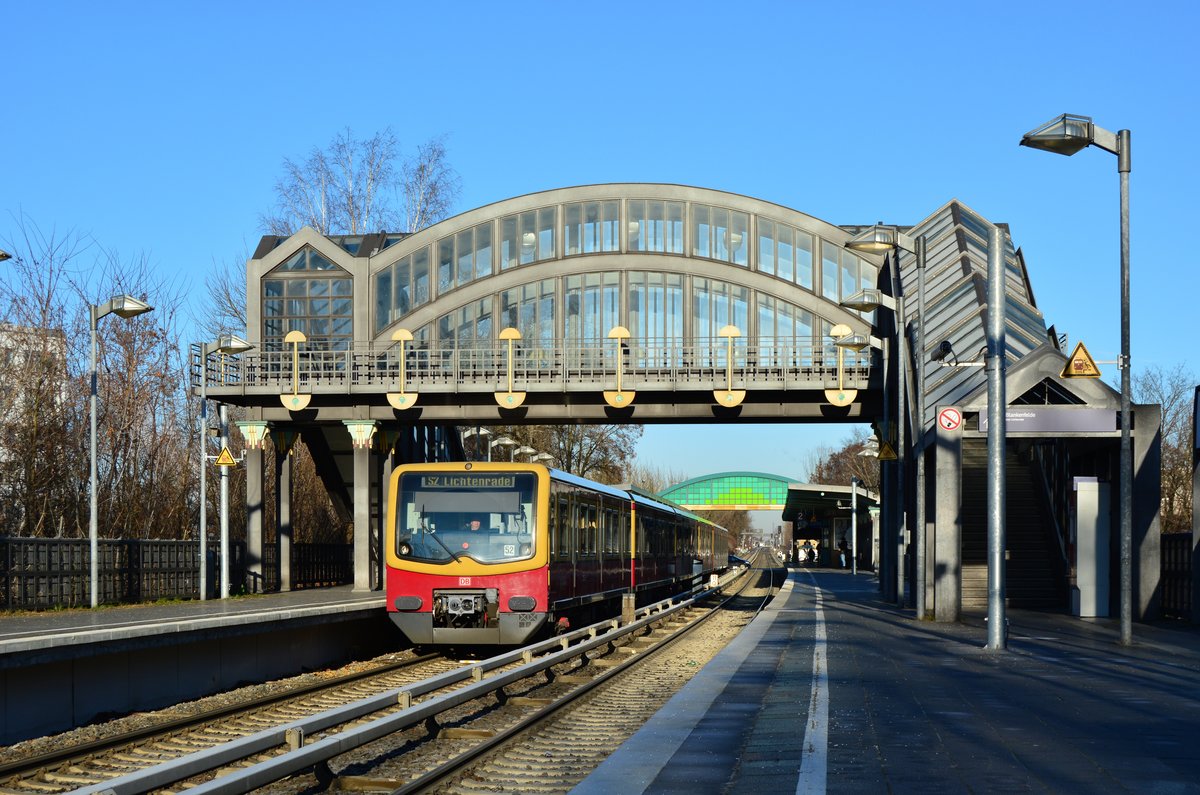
(748,491)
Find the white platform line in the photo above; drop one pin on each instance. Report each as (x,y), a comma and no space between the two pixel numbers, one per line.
(815,756)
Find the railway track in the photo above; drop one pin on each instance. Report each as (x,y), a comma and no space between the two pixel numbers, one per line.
(66,768)
(556,746)
(430,715)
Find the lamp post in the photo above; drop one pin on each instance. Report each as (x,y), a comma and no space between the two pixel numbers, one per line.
(857,342)
(225,344)
(124,306)
(523,450)
(854,481)
(1066,135)
(879,239)
(504,441)
(478,434)
(541,458)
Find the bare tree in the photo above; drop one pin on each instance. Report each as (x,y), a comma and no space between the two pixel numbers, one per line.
(142,414)
(39,409)
(600,452)
(836,467)
(429,184)
(1172,390)
(225,310)
(354,186)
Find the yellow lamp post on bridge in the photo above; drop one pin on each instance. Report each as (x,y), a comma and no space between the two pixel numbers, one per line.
(729,397)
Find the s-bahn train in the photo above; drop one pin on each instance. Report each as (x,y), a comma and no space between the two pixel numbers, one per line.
(495,553)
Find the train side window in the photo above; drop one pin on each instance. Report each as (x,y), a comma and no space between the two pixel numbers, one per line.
(587,525)
(612,530)
(560,512)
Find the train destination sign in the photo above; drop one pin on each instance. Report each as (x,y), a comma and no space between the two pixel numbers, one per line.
(468,481)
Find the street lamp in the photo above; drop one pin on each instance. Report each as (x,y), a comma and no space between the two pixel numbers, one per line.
(503,441)
(479,434)
(523,450)
(224,344)
(854,481)
(879,239)
(125,306)
(4,255)
(541,458)
(1066,135)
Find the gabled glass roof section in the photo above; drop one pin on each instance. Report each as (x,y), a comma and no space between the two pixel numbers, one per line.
(306,259)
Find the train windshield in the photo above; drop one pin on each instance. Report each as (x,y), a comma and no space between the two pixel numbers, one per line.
(486,516)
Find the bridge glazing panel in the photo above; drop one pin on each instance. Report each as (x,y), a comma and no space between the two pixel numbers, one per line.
(618,225)
(729,490)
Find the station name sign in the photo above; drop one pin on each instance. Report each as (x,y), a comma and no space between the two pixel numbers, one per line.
(1054,419)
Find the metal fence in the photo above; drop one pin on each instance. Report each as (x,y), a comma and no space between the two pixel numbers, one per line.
(313,566)
(54,573)
(1176,551)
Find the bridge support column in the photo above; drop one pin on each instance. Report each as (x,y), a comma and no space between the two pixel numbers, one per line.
(254,519)
(283,506)
(361,432)
(1147,532)
(947,522)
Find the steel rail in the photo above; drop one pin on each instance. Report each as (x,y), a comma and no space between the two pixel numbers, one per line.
(445,771)
(68,754)
(292,734)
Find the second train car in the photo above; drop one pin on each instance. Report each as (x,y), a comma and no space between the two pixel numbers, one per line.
(496,553)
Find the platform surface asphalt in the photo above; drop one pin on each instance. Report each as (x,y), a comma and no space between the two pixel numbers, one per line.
(831,689)
(60,629)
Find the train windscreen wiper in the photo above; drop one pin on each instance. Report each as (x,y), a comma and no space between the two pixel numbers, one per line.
(426,532)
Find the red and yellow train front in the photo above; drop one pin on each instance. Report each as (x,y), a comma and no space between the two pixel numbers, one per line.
(467,552)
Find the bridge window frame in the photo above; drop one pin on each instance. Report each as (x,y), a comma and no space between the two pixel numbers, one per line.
(591,227)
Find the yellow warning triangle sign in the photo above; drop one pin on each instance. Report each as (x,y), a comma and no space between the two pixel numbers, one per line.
(1081,364)
(225,459)
(886,452)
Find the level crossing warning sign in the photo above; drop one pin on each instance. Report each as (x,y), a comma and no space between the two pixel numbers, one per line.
(1081,364)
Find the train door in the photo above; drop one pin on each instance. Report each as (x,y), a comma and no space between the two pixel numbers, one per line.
(614,570)
(587,555)
(562,543)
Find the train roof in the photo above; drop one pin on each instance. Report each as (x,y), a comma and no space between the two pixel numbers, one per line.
(575,480)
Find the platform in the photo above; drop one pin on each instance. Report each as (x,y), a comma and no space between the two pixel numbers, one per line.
(62,669)
(832,689)
(56,634)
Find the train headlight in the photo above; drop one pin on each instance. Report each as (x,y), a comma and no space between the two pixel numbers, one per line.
(405,549)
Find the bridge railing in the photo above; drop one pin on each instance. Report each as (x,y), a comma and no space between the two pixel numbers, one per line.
(541,364)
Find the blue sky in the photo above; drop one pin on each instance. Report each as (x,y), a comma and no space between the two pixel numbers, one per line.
(159,130)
